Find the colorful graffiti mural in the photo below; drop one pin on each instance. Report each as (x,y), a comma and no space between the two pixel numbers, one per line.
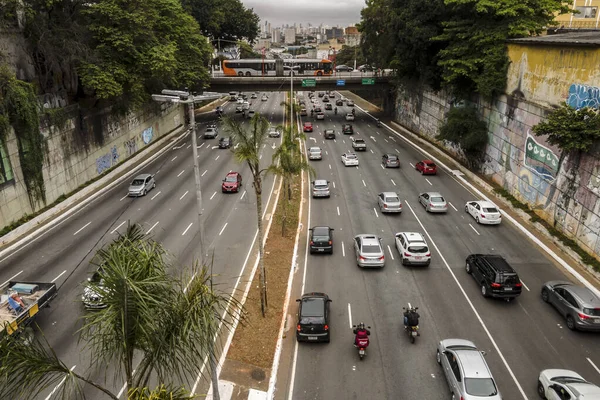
(583,96)
(131,146)
(147,135)
(107,160)
(540,159)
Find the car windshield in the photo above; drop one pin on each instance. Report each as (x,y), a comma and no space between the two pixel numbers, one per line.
(351,156)
(315,150)
(392,158)
(430,165)
(490,209)
(137,182)
(418,249)
(320,238)
(392,199)
(437,199)
(231,178)
(329,131)
(480,386)
(312,307)
(371,248)
(359,141)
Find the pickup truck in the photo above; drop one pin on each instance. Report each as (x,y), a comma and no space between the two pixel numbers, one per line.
(359,144)
(19,311)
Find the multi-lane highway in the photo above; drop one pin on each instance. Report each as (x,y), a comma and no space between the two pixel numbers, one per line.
(520,338)
(168,213)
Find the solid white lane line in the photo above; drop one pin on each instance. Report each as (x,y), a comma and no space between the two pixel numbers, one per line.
(333,184)
(372,152)
(213,195)
(413,166)
(204,173)
(394,183)
(217,157)
(451,205)
(59,385)
(428,181)
(186,229)
(364,184)
(376,214)
(12,277)
(485,328)
(61,274)
(260,157)
(381,165)
(182,171)
(524,285)
(153,197)
(343,250)
(243,194)
(222,229)
(120,225)
(173,159)
(124,197)
(350,315)
(593,365)
(472,227)
(82,228)
(338,210)
(152,227)
(183,195)
(397,151)
(390,250)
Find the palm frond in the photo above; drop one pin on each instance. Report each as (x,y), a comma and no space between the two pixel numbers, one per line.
(162,392)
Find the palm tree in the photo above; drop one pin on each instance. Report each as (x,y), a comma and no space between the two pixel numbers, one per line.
(168,323)
(250,142)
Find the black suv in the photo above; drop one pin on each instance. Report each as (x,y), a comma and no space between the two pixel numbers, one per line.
(329,134)
(495,276)
(313,318)
(347,129)
(321,240)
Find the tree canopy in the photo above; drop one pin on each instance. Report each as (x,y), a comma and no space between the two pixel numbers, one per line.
(347,56)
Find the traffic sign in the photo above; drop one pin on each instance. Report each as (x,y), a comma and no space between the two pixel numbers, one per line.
(309,82)
(341,82)
(368,81)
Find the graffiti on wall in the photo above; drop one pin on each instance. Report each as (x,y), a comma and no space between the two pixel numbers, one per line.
(147,135)
(131,146)
(583,96)
(107,160)
(540,159)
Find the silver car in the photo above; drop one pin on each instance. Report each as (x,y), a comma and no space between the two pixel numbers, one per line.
(211,133)
(466,371)
(314,153)
(389,202)
(577,304)
(320,188)
(369,252)
(565,384)
(141,185)
(433,202)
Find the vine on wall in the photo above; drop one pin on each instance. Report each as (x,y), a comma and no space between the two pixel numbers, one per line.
(19,109)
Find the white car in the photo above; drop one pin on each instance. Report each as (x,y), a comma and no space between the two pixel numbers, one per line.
(314,153)
(246,105)
(484,212)
(557,384)
(413,248)
(240,100)
(349,160)
(349,117)
(264,98)
(320,115)
(274,133)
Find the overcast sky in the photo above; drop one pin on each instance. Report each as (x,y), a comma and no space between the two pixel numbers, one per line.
(327,12)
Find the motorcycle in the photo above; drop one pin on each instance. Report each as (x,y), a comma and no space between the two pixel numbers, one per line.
(378,123)
(411,331)
(361,343)
(335,111)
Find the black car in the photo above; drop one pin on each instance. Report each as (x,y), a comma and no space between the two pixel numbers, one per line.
(329,134)
(313,318)
(366,68)
(328,106)
(495,276)
(339,102)
(343,68)
(325,99)
(347,129)
(321,240)
(225,142)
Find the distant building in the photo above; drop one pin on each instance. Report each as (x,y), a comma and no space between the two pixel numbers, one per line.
(276,36)
(290,35)
(334,33)
(588,16)
(352,37)
(262,43)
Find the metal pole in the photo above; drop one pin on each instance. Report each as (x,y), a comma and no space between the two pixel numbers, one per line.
(292,99)
(197,177)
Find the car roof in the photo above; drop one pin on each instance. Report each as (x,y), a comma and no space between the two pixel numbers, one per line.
(314,148)
(585,295)
(141,176)
(473,364)
(308,123)
(498,262)
(315,294)
(485,203)
(389,194)
(413,237)
(321,230)
(232,173)
(368,239)
(431,194)
(428,161)
(328,130)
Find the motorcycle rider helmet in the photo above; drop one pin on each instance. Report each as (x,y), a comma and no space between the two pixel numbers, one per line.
(361,326)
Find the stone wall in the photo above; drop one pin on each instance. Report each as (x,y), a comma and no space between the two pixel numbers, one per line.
(74,157)
(568,195)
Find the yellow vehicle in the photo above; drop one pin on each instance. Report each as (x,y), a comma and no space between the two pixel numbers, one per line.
(20,302)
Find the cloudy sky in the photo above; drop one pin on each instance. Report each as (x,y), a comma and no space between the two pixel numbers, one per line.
(329,12)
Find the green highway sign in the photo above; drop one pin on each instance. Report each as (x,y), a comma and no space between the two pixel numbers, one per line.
(368,81)
(309,82)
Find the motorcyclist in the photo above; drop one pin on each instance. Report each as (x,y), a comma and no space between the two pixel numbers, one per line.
(411,317)
(353,112)
(378,122)
(362,333)
(312,112)
(335,110)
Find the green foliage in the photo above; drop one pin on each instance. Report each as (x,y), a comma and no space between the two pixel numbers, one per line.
(348,54)
(19,108)
(464,128)
(570,129)
(246,51)
(224,19)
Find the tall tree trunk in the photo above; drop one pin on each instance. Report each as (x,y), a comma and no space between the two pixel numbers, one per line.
(261,249)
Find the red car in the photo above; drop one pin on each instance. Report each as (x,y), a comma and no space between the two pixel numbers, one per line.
(232,182)
(308,127)
(426,167)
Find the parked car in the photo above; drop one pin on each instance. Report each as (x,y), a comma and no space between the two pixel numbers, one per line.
(368,251)
(466,371)
(390,161)
(350,160)
(433,202)
(225,142)
(313,318)
(558,384)
(413,248)
(426,167)
(347,129)
(484,212)
(349,117)
(321,240)
(329,134)
(141,185)
(211,133)
(320,188)
(232,182)
(389,202)
(494,275)
(314,153)
(343,68)
(577,304)
(307,127)
(358,144)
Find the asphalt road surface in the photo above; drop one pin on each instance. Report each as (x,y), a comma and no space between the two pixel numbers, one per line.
(168,213)
(520,338)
